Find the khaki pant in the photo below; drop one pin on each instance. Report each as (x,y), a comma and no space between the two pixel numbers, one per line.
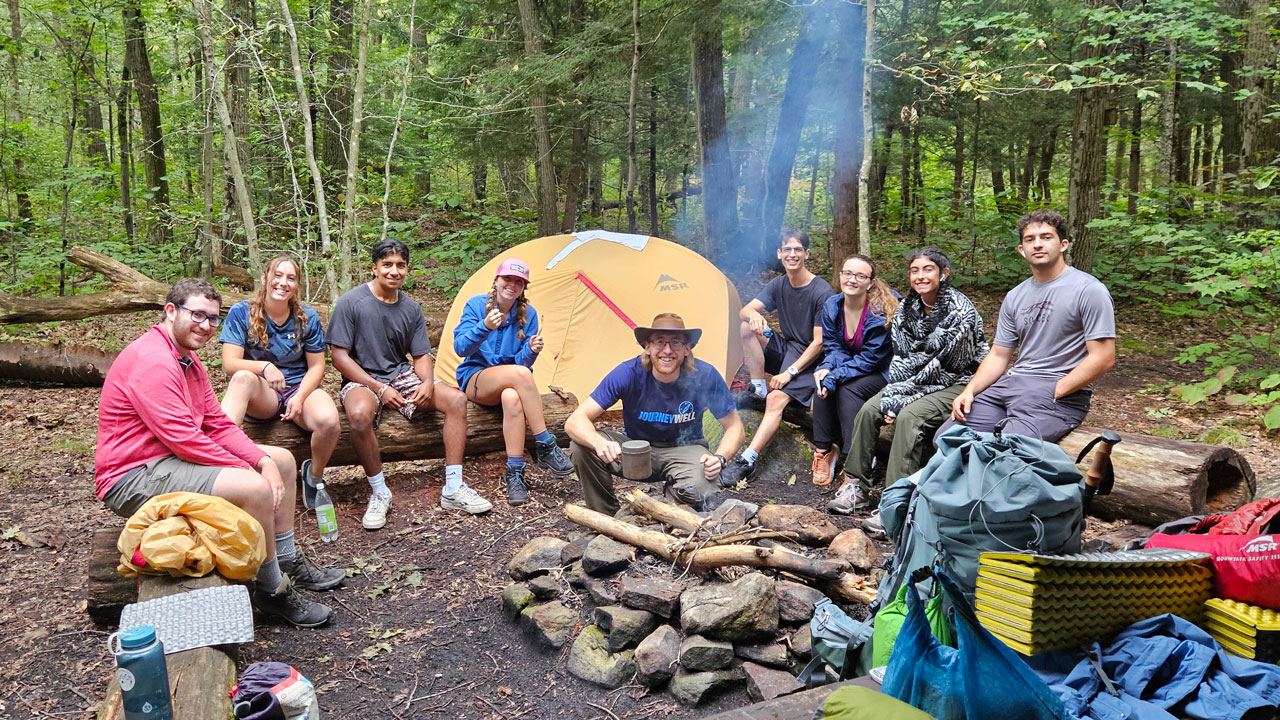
(679,468)
(911,431)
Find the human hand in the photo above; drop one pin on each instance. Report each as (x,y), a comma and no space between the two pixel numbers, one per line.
(493,319)
(269,472)
(292,409)
(820,374)
(961,405)
(779,381)
(392,398)
(757,324)
(608,450)
(536,343)
(273,376)
(711,466)
(888,419)
(422,394)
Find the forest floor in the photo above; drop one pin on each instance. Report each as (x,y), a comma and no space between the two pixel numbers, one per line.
(417,630)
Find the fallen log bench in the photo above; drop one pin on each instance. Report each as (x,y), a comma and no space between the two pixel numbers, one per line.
(421,439)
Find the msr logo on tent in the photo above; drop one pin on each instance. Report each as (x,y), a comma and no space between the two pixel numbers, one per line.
(666,283)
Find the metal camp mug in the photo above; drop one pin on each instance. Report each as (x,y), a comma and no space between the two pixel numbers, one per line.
(636,461)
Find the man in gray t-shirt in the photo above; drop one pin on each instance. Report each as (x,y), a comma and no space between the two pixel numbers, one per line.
(1062,324)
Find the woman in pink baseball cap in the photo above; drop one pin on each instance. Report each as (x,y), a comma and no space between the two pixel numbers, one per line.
(497,339)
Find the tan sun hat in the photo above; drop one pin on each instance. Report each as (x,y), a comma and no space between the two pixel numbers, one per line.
(667,321)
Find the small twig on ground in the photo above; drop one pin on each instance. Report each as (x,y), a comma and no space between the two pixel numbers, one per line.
(604,709)
(338,600)
(409,698)
(486,702)
(510,530)
(440,692)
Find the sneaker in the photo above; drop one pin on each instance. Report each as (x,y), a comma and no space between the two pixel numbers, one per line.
(873,525)
(737,471)
(759,391)
(824,467)
(286,604)
(375,516)
(517,486)
(847,499)
(307,576)
(552,459)
(308,490)
(465,499)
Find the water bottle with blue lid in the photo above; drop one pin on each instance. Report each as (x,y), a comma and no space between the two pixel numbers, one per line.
(142,672)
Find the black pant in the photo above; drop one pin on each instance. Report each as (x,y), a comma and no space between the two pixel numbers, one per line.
(833,415)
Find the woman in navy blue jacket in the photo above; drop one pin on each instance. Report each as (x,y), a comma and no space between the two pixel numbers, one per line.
(497,339)
(856,355)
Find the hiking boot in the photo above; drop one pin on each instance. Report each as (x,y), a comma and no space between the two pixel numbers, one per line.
(847,499)
(552,459)
(290,606)
(824,467)
(873,525)
(308,490)
(307,576)
(466,500)
(736,471)
(517,487)
(375,516)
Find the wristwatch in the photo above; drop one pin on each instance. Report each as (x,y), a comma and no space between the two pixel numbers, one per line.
(793,371)
(723,463)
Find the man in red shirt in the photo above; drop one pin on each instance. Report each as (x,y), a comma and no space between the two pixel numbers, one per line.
(161,430)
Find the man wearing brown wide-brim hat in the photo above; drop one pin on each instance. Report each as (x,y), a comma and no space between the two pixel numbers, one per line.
(664,392)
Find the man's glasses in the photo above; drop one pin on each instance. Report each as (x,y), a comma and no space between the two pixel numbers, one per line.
(851,275)
(673,344)
(792,251)
(199,316)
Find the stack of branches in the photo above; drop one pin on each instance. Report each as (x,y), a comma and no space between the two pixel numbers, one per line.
(701,549)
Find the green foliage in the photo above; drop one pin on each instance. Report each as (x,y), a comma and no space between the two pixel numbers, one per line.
(459,253)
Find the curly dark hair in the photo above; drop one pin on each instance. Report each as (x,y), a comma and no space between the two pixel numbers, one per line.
(188,287)
(1048,217)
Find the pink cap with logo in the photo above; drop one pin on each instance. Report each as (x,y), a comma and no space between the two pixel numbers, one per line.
(511,267)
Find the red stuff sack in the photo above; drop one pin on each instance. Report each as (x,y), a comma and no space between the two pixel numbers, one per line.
(1246,567)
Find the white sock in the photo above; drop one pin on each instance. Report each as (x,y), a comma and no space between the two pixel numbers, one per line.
(452,478)
(378,483)
(758,387)
(750,456)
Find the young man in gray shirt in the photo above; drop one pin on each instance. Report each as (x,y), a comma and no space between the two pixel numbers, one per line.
(378,338)
(1062,323)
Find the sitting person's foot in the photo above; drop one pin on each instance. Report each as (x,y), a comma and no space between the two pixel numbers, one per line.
(873,525)
(308,490)
(736,471)
(375,516)
(759,389)
(466,500)
(307,576)
(824,467)
(288,605)
(517,486)
(847,499)
(552,458)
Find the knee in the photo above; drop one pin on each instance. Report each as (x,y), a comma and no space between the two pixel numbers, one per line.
(745,330)
(327,423)
(511,401)
(453,402)
(776,402)
(242,381)
(522,376)
(361,418)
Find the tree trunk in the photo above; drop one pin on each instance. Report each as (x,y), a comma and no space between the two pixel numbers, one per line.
(904,185)
(1260,57)
(654,229)
(1232,143)
(786,137)
(55,363)
(574,184)
(1028,167)
(879,173)
(864,170)
(1117,165)
(1169,122)
(544,168)
(957,167)
(239,35)
(917,184)
(210,245)
(14,116)
(1135,157)
(350,231)
(395,128)
(204,21)
(632,109)
(719,191)
(479,181)
(335,115)
(1047,152)
(153,158)
(1084,195)
(849,143)
(126,163)
(813,185)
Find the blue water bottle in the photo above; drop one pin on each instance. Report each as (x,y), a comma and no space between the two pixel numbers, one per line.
(143,675)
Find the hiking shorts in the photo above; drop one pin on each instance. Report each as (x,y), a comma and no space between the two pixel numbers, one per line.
(404,383)
(282,399)
(162,475)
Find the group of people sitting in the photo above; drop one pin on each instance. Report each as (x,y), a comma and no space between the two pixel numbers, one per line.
(863,357)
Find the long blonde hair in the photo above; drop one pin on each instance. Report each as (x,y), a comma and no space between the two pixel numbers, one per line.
(257,304)
(879,294)
(521,303)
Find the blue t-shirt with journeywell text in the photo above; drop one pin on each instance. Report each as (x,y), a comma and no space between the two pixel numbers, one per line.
(283,349)
(665,414)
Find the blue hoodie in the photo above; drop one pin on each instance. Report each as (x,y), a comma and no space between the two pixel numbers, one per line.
(480,348)
(872,357)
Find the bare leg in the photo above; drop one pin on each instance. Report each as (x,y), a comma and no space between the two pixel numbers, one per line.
(320,418)
(450,401)
(494,385)
(248,392)
(753,350)
(512,423)
(361,407)
(774,404)
(249,491)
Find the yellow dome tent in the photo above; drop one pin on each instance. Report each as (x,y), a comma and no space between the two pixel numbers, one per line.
(591,288)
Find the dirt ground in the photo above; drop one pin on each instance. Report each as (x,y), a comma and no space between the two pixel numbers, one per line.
(417,629)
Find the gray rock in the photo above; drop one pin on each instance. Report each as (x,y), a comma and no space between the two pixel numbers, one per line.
(855,548)
(600,591)
(802,643)
(536,557)
(575,575)
(699,653)
(549,624)
(624,627)
(604,556)
(544,587)
(745,609)
(796,601)
(812,527)
(692,688)
(573,551)
(656,657)
(590,660)
(655,595)
(771,654)
(515,597)
(766,683)
(731,515)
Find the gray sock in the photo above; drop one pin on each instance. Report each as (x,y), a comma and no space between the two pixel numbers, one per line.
(285,549)
(269,577)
